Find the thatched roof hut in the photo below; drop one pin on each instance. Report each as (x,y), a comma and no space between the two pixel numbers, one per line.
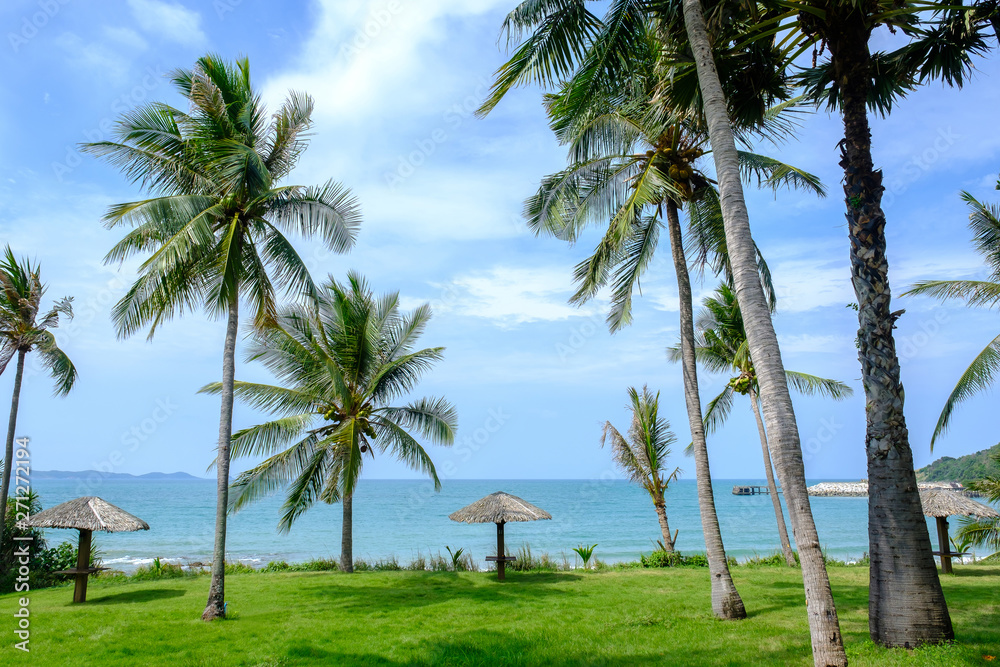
(499,507)
(87,513)
(943,503)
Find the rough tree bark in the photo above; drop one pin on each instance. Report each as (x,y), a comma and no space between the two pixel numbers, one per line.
(906,606)
(216,607)
(824,626)
(726,600)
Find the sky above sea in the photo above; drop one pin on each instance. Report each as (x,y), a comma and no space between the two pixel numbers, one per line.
(533,378)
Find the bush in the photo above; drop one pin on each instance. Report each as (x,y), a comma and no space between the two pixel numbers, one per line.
(238,568)
(776,559)
(317,565)
(276,566)
(159,570)
(661,558)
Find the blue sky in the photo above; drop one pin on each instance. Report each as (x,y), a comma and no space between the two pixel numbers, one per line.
(533,378)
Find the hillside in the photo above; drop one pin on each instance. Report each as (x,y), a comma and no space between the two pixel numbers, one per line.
(964,469)
(88,474)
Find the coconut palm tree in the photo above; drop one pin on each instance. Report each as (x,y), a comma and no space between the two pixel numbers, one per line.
(906,604)
(721,346)
(633,162)
(214,227)
(23,331)
(642,456)
(982,373)
(685,21)
(342,367)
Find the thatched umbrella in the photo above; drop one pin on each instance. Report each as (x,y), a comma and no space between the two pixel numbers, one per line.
(86,514)
(499,508)
(943,503)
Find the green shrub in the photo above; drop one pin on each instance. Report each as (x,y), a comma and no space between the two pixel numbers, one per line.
(317,565)
(239,568)
(673,559)
(276,566)
(160,570)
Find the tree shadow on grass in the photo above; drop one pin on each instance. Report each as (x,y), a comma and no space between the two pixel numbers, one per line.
(423,590)
(500,649)
(143,595)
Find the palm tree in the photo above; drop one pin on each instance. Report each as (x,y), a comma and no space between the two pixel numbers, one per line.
(721,345)
(341,367)
(906,603)
(985,531)
(984,221)
(21,332)
(628,158)
(643,454)
(215,225)
(686,20)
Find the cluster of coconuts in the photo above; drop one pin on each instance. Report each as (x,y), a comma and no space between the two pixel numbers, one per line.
(741,384)
(335,415)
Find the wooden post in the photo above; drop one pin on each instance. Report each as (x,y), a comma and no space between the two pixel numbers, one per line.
(944,544)
(500,552)
(82,567)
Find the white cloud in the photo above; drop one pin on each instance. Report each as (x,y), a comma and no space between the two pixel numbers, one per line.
(126,37)
(810,343)
(169,19)
(512,295)
(93,56)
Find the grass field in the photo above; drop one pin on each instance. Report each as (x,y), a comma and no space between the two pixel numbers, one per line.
(630,617)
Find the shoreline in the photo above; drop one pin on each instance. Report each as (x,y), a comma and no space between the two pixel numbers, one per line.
(859,489)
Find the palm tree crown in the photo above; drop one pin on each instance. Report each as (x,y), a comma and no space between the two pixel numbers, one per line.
(642,455)
(984,221)
(722,347)
(21,328)
(342,367)
(216,229)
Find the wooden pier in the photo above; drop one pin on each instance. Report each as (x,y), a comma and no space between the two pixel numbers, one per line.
(744,490)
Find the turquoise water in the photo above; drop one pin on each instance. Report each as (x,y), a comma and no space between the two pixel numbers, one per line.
(403,518)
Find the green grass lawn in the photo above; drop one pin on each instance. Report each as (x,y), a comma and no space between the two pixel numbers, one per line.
(631,617)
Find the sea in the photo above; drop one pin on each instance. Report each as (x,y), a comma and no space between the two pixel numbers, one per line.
(404,519)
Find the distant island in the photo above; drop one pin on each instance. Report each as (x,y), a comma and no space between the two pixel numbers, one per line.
(964,469)
(87,474)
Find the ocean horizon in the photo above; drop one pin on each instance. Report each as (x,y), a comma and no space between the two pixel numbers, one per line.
(404,519)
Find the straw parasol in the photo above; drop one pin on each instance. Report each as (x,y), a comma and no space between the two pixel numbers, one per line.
(943,503)
(499,508)
(85,514)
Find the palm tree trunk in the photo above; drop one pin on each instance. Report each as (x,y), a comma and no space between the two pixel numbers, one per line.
(772,488)
(216,607)
(661,513)
(906,605)
(824,626)
(726,601)
(347,535)
(8,455)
